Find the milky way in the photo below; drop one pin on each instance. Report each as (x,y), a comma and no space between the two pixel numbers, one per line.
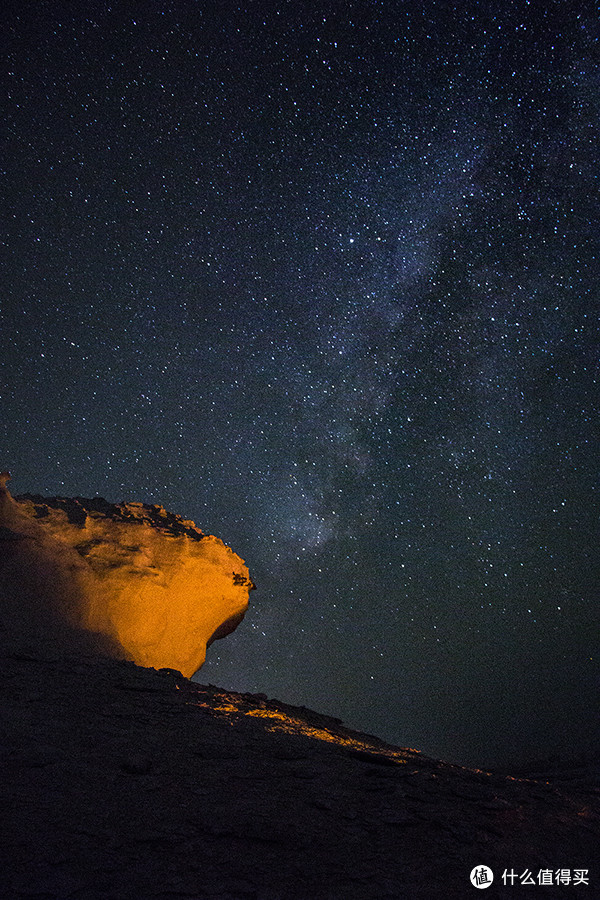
(325,279)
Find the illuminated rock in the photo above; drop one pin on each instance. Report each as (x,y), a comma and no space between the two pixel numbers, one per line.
(148,584)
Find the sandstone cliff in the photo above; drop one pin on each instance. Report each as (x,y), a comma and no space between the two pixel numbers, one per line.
(141,583)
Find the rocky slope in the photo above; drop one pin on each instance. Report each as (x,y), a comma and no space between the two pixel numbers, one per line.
(150,585)
(121,782)
(126,783)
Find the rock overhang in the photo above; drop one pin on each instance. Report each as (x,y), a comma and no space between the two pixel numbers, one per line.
(150,585)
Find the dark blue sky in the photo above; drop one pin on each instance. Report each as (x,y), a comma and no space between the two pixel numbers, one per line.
(324,278)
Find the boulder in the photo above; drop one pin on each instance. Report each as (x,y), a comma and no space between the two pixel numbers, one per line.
(128,579)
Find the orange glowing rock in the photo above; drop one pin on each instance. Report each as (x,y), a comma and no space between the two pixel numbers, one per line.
(150,584)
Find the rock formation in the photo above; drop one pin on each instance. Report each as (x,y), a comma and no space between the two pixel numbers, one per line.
(124,783)
(130,579)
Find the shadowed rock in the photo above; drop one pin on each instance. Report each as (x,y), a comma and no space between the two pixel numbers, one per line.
(123,782)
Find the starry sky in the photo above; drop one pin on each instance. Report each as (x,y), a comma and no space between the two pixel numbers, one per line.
(324,278)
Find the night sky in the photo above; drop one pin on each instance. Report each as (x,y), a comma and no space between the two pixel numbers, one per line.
(324,278)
